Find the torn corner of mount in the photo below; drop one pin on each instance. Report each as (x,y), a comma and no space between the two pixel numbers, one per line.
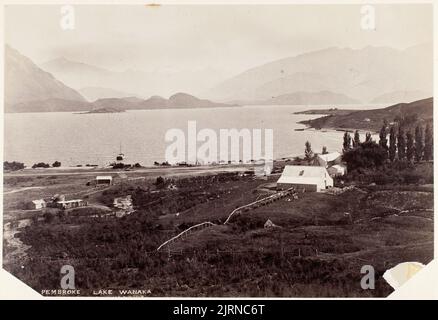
(401,273)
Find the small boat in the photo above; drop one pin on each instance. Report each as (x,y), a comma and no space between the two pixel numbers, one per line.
(299,129)
(120,156)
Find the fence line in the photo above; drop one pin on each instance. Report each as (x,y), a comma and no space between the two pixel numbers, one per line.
(263,201)
(267,200)
(196,226)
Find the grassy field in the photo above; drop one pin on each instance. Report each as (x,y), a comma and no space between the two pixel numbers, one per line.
(318,245)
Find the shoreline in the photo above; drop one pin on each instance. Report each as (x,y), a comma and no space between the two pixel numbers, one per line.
(338,129)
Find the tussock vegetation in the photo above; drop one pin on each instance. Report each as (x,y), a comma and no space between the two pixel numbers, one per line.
(318,248)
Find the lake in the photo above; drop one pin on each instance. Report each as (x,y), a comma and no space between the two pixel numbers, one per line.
(80,139)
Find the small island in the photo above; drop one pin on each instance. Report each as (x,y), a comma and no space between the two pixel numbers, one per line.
(104,110)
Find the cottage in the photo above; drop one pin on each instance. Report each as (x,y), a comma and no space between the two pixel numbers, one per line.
(123,206)
(337,170)
(307,178)
(123,202)
(104,180)
(69,204)
(38,204)
(329,159)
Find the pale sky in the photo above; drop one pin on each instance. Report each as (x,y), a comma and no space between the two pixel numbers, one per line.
(228,39)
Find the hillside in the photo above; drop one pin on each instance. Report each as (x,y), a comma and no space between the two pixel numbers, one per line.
(421,112)
(48,105)
(362,74)
(108,83)
(315,245)
(179,100)
(30,89)
(318,98)
(25,82)
(186,100)
(96,93)
(397,96)
(104,110)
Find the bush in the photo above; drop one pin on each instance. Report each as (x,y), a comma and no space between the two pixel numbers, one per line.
(12,166)
(48,217)
(160,182)
(41,165)
(366,155)
(399,172)
(56,164)
(118,166)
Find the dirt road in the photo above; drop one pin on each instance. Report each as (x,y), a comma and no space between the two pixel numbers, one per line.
(150,170)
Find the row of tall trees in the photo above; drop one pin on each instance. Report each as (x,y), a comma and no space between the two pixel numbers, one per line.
(350,143)
(407,146)
(402,146)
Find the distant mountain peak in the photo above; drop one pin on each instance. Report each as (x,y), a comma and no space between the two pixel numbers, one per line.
(361,74)
(26,82)
(179,95)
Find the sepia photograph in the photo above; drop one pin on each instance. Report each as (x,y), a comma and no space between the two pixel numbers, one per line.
(217,151)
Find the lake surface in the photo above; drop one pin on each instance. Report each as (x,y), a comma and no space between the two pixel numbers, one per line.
(80,139)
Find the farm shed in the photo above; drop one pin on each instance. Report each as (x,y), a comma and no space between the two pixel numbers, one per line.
(108,180)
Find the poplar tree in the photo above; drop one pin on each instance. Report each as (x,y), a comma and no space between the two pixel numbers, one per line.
(308,153)
(356,140)
(392,144)
(368,137)
(347,142)
(428,143)
(419,146)
(383,142)
(401,144)
(410,147)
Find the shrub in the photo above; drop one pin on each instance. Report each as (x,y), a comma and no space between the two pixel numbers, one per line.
(367,155)
(41,165)
(12,166)
(160,182)
(56,164)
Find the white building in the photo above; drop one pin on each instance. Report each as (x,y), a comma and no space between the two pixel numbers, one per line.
(309,178)
(329,159)
(337,170)
(39,204)
(104,180)
(69,204)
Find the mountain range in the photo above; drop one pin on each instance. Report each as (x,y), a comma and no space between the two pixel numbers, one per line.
(310,98)
(28,88)
(330,76)
(370,74)
(25,81)
(98,82)
(178,100)
(95,93)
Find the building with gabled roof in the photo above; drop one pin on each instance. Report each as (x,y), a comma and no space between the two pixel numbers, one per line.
(108,180)
(329,159)
(307,178)
(39,204)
